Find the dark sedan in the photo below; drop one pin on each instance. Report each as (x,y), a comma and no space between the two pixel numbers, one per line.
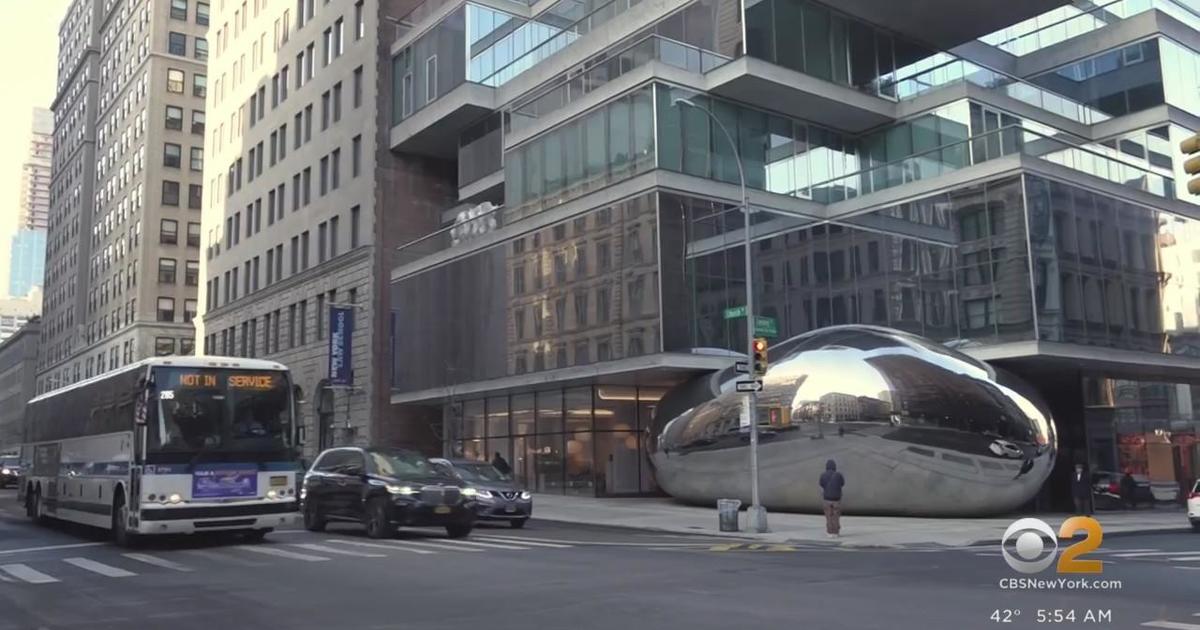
(1107,493)
(499,497)
(10,471)
(385,489)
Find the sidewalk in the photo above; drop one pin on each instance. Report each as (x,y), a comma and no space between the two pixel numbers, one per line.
(661,514)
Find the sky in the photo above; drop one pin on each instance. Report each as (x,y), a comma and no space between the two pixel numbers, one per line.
(28,62)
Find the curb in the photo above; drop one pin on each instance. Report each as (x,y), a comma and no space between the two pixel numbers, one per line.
(842,545)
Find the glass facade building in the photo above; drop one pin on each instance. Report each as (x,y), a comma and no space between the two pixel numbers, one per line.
(1028,220)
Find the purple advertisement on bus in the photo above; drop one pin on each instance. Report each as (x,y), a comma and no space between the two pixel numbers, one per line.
(222,481)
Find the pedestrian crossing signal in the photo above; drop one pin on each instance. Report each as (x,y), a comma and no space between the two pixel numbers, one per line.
(759,360)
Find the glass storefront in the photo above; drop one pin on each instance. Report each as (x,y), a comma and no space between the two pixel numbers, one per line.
(1147,428)
(584,441)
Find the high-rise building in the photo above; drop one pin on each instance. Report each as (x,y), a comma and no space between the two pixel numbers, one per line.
(123,248)
(35,172)
(27,263)
(298,217)
(1000,177)
(27,260)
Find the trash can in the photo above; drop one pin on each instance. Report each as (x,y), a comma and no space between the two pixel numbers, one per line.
(727,513)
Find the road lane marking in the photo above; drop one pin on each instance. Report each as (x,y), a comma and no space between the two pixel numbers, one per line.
(1171,625)
(268,551)
(224,557)
(97,567)
(158,562)
(1147,554)
(432,545)
(522,542)
(27,573)
(521,539)
(5,578)
(379,546)
(52,547)
(1184,558)
(455,541)
(344,552)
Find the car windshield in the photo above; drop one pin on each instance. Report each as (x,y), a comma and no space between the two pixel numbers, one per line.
(219,410)
(480,472)
(401,464)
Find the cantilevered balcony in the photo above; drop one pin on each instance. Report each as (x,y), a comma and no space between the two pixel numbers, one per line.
(945,23)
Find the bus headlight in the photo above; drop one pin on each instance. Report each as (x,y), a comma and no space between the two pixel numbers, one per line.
(175,498)
(271,494)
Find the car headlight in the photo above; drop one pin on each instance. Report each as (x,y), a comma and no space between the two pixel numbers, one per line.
(303,493)
(470,493)
(5,471)
(526,496)
(401,490)
(483,494)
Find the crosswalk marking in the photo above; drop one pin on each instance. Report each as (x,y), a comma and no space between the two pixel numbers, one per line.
(269,551)
(97,567)
(1147,554)
(158,562)
(379,546)
(27,573)
(431,545)
(344,552)
(1184,558)
(522,542)
(224,557)
(5,578)
(455,541)
(1171,625)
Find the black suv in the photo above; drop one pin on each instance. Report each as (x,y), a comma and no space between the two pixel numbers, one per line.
(384,488)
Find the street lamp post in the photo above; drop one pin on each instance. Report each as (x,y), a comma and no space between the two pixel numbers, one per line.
(758,514)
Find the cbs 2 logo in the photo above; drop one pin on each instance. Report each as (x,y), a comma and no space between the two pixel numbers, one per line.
(1030,536)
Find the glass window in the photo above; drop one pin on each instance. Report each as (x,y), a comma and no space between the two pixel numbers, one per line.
(550,411)
(175,81)
(177,44)
(523,414)
(174,118)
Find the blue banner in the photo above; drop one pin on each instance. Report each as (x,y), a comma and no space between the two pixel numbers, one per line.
(225,481)
(341,334)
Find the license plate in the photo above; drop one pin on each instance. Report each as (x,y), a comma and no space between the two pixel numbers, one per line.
(441,509)
(278,481)
(510,508)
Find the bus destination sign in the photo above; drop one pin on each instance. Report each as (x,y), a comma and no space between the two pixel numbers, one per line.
(233,381)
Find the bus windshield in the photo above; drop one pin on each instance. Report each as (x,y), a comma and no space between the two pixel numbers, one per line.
(219,410)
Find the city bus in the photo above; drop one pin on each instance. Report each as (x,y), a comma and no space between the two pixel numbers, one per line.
(169,445)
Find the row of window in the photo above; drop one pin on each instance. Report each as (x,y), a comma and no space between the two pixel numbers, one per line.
(246,279)
(173,120)
(170,195)
(165,310)
(179,11)
(173,156)
(177,45)
(165,346)
(228,342)
(168,233)
(177,79)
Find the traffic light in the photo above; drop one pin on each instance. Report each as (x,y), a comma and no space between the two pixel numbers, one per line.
(759,366)
(1191,147)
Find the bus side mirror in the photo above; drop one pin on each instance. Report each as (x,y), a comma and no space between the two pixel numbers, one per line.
(301,435)
(298,394)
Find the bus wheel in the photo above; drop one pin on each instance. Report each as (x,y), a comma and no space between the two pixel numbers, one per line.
(120,524)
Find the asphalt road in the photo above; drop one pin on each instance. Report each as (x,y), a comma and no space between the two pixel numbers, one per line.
(552,576)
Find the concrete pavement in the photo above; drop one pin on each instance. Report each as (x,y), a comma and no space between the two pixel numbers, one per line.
(666,515)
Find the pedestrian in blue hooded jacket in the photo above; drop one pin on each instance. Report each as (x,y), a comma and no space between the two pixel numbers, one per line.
(832,482)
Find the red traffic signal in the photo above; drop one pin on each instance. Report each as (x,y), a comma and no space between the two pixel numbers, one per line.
(758,362)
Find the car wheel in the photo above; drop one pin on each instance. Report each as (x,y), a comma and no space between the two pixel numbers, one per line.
(458,531)
(378,523)
(313,521)
(517,523)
